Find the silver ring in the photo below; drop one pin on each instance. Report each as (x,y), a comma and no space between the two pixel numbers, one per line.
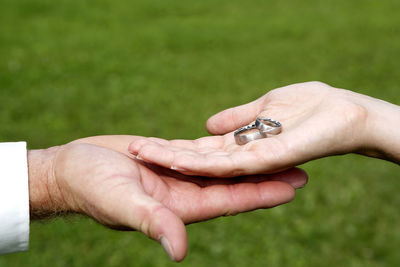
(268,125)
(247,134)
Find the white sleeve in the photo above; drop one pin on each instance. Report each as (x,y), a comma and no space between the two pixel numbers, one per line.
(14,198)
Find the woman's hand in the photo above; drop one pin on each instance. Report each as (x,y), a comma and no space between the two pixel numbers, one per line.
(318,121)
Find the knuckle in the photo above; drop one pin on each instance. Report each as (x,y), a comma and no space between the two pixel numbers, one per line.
(150,223)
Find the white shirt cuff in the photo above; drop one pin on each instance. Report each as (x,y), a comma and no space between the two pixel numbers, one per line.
(14,198)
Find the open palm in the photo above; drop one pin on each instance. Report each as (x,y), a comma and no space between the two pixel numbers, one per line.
(318,120)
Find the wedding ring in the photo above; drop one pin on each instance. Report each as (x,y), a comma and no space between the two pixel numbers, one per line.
(247,134)
(268,125)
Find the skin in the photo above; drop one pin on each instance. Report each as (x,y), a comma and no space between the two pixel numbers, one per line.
(97,177)
(318,121)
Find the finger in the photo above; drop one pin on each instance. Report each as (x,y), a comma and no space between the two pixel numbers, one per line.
(161,224)
(296,177)
(185,160)
(136,145)
(267,155)
(230,119)
(129,206)
(223,200)
(115,142)
(143,149)
(200,145)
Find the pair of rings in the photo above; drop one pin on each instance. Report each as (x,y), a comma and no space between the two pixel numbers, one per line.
(257,130)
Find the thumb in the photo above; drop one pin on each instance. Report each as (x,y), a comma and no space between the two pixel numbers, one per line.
(161,224)
(230,119)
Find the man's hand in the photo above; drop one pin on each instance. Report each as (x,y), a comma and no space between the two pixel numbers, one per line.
(98,177)
(318,120)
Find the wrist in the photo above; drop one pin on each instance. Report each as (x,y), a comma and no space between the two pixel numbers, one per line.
(383,131)
(45,197)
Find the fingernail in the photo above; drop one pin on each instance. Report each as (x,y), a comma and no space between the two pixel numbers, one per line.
(165,244)
(177,169)
(138,157)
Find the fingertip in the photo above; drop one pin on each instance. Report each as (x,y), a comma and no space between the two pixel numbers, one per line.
(297,177)
(163,225)
(132,149)
(230,119)
(212,125)
(282,193)
(223,122)
(179,247)
(302,178)
(135,146)
(176,249)
(173,237)
(288,192)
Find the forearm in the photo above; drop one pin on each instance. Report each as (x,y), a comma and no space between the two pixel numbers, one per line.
(45,198)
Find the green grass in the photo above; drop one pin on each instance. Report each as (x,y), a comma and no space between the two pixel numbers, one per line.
(70,69)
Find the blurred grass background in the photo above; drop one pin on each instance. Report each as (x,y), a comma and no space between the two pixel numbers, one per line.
(70,69)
